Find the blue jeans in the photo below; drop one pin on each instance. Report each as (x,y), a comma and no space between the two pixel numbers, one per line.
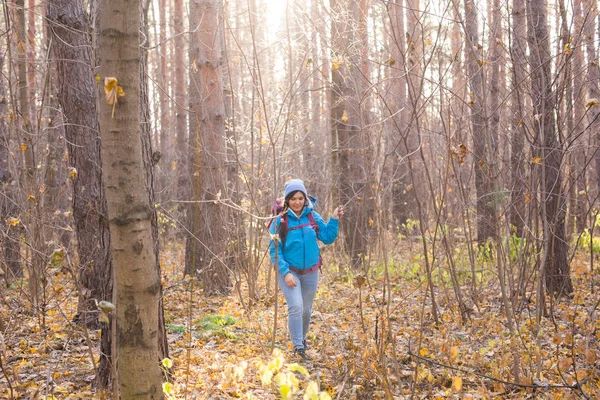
(299,301)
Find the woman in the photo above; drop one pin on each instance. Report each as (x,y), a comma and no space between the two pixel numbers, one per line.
(298,257)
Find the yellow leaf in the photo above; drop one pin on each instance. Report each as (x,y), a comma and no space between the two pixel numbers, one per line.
(457,384)
(312,390)
(527,198)
(112,91)
(537,160)
(336,64)
(423,352)
(167,363)
(73,173)
(284,391)
(345,116)
(391,61)
(98,78)
(23,147)
(298,368)
(592,103)
(568,48)
(453,352)
(167,388)
(265,374)
(32,199)
(371,223)
(13,221)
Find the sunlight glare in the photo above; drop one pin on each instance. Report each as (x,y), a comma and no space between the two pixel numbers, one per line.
(275,11)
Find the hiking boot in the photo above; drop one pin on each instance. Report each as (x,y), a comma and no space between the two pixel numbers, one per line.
(301,353)
(304,344)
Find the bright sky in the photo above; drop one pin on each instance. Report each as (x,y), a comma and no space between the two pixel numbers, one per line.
(275,18)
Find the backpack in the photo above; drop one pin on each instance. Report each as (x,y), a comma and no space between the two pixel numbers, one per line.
(277,210)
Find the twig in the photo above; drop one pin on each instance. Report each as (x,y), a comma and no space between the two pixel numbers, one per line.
(343,384)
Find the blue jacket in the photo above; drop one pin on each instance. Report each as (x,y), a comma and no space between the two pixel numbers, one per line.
(301,249)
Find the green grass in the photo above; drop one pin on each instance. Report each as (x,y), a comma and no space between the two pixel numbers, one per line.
(173,328)
(217,325)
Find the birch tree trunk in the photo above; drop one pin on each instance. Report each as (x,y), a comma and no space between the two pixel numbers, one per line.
(137,281)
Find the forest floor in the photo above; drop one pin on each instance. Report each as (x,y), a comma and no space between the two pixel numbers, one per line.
(366,342)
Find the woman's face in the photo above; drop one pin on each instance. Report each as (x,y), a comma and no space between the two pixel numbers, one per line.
(296,202)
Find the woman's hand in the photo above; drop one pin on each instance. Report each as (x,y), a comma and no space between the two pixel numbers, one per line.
(338,212)
(290,280)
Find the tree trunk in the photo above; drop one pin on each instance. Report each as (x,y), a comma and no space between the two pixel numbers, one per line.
(11,264)
(180,107)
(31,59)
(348,172)
(69,27)
(402,198)
(137,281)
(577,184)
(555,268)
(593,74)
(482,140)
(206,253)
(496,87)
(25,136)
(150,158)
(518,185)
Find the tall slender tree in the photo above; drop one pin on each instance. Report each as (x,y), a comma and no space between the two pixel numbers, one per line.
(348,164)
(137,281)
(13,268)
(577,186)
(26,136)
(207,250)
(402,198)
(555,268)
(593,74)
(180,89)
(70,32)
(482,140)
(518,51)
